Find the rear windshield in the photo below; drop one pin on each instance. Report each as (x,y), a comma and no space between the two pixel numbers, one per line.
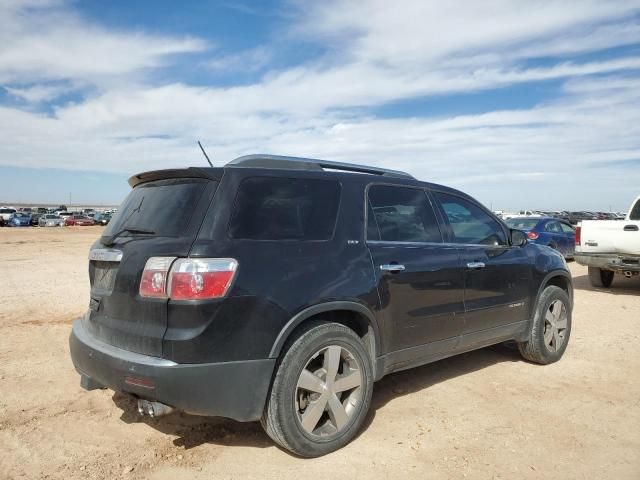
(163,207)
(269,208)
(522,223)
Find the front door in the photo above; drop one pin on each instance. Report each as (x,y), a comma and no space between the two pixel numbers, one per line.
(496,274)
(419,278)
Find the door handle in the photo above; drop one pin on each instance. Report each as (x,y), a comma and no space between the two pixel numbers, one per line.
(631,228)
(392,267)
(475,265)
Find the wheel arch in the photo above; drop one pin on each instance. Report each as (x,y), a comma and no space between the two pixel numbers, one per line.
(354,315)
(558,278)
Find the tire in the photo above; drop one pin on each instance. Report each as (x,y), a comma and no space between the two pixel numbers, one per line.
(340,413)
(600,278)
(550,329)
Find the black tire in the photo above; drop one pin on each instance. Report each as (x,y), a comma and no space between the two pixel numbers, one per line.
(281,418)
(600,278)
(535,348)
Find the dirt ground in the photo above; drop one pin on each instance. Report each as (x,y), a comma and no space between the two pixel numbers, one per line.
(485,414)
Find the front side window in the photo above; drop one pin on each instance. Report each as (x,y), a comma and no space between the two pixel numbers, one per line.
(401,214)
(272,208)
(470,224)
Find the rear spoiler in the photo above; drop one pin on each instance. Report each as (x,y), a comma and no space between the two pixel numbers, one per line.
(191,172)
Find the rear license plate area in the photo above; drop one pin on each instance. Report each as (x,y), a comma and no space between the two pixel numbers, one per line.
(104,276)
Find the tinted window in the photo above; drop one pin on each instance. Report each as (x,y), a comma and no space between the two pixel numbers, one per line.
(163,206)
(635,212)
(470,223)
(269,208)
(399,214)
(522,223)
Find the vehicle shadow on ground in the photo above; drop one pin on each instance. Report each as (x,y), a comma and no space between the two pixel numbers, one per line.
(620,285)
(193,431)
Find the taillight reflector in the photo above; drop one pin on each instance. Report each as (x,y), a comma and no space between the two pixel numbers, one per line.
(578,232)
(532,235)
(154,277)
(201,278)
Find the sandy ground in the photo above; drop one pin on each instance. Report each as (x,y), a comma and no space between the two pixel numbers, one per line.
(485,414)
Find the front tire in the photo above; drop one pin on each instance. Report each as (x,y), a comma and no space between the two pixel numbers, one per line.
(321,391)
(550,329)
(600,278)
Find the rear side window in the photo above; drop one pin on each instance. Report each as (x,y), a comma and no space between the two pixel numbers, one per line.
(567,228)
(163,207)
(272,208)
(470,223)
(635,212)
(400,214)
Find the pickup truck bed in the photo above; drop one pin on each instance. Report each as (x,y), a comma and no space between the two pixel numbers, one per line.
(610,246)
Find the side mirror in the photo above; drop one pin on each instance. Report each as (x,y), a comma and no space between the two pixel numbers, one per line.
(518,238)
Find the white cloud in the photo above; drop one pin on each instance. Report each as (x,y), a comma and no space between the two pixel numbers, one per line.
(378,52)
(47,41)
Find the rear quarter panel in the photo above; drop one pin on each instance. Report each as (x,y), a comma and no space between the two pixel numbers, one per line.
(275,280)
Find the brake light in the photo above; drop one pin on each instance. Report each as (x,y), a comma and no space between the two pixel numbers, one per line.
(532,235)
(154,277)
(201,278)
(578,232)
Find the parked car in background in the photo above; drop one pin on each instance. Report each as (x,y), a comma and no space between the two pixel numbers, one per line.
(79,221)
(548,231)
(64,214)
(19,219)
(608,247)
(102,218)
(6,212)
(42,210)
(574,217)
(50,220)
(35,218)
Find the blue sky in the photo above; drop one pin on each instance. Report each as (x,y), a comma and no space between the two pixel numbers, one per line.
(521,104)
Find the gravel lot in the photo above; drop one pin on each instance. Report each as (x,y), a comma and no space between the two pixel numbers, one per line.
(485,414)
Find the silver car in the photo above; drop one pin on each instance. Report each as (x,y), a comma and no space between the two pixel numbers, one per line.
(50,220)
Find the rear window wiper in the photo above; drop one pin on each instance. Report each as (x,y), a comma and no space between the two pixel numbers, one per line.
(108,240)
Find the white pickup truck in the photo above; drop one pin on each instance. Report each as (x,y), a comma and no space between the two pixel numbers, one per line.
(610,246)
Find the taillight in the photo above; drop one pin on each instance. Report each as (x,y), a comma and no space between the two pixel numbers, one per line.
(578,232)
(154,277)
(201,278)
(532,235)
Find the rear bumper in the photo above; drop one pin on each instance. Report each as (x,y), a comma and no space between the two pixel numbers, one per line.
(235,390)
(610,261)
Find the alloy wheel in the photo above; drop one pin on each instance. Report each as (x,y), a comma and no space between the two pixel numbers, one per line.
(555,325)
(329,391)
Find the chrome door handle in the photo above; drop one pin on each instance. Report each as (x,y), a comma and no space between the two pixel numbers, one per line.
(392,267)
(475,265)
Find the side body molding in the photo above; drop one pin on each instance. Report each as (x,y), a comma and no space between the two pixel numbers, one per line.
(320,308)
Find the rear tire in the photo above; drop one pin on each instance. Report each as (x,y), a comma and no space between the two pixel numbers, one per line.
(321,392)
(550,329)
(600,278)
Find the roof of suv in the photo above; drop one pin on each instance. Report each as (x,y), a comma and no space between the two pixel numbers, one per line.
(279,162)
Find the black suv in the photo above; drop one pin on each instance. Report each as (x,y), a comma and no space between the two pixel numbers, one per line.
(280,289)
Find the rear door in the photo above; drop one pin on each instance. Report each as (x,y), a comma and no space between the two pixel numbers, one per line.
(557,237)
(496,274)
(419,278)
(169,211)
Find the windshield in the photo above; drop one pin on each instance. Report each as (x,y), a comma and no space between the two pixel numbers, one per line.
(19,215)
(163,207)
(522,223)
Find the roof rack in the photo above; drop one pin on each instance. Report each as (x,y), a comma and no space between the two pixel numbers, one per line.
(298,163)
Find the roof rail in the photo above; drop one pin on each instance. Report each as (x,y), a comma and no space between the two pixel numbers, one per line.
(298,163)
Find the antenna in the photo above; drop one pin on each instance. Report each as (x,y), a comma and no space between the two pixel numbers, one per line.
(205,154)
